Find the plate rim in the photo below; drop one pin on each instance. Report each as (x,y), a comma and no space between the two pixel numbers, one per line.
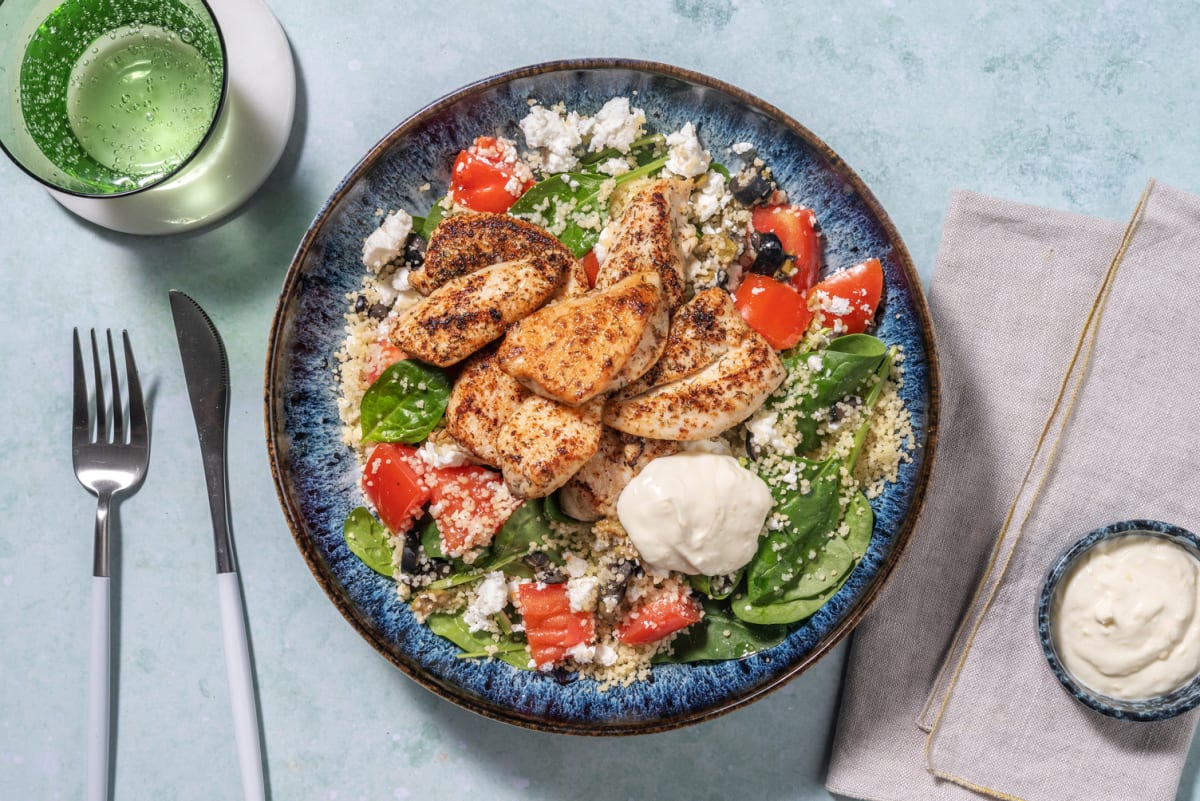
(927,445)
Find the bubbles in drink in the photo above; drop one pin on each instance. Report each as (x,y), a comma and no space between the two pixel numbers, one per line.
(114,81)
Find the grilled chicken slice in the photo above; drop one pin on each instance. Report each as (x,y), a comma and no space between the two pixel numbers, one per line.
(466,313)
(593,491)
(544,443)
(582,347)
(702,330)
(465,243)
(705,403)
(574,283)
(482,399)
(646,236)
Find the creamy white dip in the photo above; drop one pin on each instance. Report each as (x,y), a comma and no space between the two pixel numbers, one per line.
(694,512)
(1124,619)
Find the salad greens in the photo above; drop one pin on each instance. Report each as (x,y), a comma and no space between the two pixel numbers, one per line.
(405,403)
(367,539)
(845,367)
(479,644)
(527,530)
(576,195)
(719,635)
(799,566)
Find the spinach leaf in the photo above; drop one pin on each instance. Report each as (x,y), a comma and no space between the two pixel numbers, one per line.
(846,366)
(475,644)
(720,635)
(526,530)
(862,524)
(575,195)
(640,148)
(405,403)
(718,167)
(431,539)
(437,212)
(779,566)
(367,539)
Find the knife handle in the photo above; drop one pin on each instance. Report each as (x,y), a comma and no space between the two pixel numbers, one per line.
(99,662)
(241,686)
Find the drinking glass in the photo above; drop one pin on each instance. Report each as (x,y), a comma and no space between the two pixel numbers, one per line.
(107,98)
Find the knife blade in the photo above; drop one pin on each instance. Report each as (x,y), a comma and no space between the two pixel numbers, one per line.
(206,372)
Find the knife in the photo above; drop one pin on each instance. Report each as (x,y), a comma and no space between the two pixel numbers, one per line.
(206,369)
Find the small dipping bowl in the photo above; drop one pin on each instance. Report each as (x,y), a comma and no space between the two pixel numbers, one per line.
(1160,707)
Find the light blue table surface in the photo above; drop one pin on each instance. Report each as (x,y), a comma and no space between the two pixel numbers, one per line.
(1071,105)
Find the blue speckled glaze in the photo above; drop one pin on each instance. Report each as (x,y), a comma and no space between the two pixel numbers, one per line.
(1161,707)
(317,474)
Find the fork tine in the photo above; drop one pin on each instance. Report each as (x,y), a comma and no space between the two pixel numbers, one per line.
(118,417)
(80,431)
(101,420)
(138,430)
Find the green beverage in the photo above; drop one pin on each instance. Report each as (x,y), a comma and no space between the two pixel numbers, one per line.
(118,94)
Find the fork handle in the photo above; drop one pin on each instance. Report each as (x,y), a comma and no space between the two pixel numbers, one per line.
(241,686)
(98,687)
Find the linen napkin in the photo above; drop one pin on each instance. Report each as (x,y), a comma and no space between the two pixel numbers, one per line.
(1070,401)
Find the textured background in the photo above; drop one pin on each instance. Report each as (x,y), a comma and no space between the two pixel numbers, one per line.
(1071,105)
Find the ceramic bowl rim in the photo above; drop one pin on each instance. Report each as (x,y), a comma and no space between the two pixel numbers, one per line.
(1161,707)
(927,443)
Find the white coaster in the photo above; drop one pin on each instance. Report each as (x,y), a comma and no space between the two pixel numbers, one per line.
(260,104)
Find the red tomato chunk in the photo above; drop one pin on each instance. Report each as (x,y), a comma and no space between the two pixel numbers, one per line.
(659,616)
(470,504)
(394,487)
(773,309)
(850,297)
(551,627)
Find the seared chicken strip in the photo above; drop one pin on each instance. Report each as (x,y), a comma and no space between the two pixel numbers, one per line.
(482,400)
(576,349)
(646,236)
(715,398)
(466,313)
(702,330)
(544,443)
(465,243)
(593,491)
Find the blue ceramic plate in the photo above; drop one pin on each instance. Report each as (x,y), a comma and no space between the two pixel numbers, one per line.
(1161,707)
(316,474)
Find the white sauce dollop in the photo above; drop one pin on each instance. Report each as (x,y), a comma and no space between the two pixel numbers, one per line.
(697,513)
(1124,619)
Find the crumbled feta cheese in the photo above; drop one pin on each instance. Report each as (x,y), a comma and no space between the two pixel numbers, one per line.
(742,148)
(711,197)
(582,653)
(815,362)
(614,166)
(605,655)
(617,125)
(761,426)
(685,156)
(491,596)
(582,592)
(839,305)
(445,453)
(556,136)
(387,241)
(576,566)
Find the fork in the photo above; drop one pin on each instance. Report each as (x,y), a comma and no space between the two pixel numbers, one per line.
(107,463)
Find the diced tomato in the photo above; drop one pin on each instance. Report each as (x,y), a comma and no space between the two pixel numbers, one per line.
(393,486)
(382,356)
(551,627)
(470,504)
(796,228)
(773,309)
(591,266)
(850,296)
(483,181)
(656,617)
